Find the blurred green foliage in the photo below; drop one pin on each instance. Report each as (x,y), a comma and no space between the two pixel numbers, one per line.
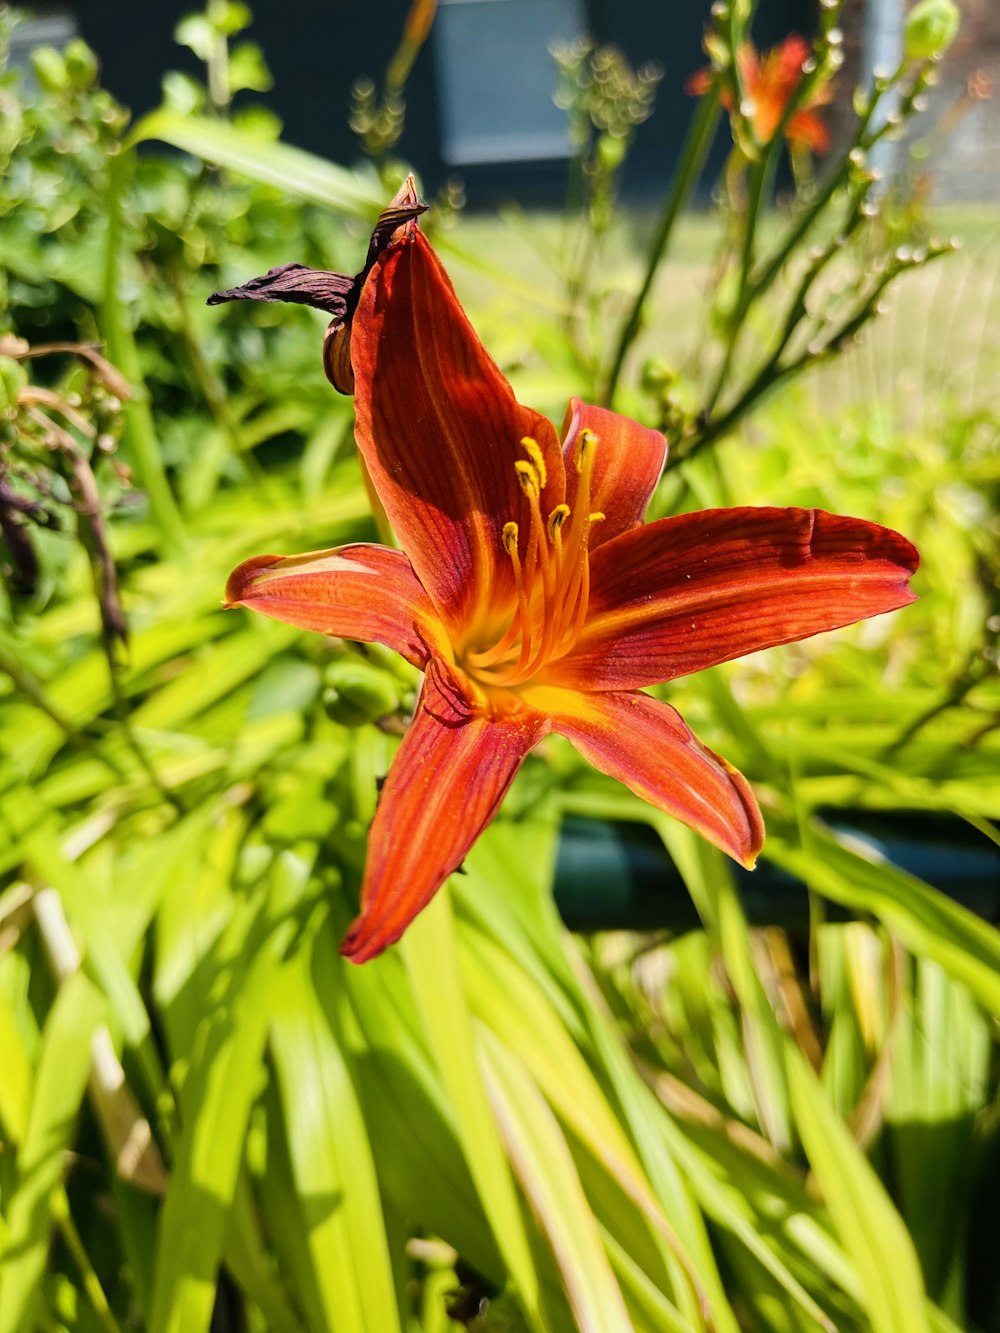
(207,1119)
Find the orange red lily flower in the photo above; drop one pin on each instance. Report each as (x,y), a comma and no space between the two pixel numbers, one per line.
(534,598)
(768,83)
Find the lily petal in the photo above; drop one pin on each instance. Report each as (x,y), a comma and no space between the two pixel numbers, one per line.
(649,747)
(447,780)
(354,592)
(627,465)
(809,128)
(685,593)
(699,82)
(440,431)
(782,67)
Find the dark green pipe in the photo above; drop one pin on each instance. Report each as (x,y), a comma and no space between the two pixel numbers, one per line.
(619,876)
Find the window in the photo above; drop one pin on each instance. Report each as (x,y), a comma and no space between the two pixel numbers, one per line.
(496,78)
(53,27)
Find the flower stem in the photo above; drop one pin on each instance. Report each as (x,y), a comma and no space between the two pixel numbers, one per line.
(689,168)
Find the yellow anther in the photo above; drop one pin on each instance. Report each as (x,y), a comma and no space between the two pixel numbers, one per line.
(534,452)
(596,518)
(528,478)
(586,441)
(509,538)
(557,518)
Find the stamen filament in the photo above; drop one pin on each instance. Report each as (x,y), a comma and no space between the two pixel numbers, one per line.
(567,642)
(521,622)
(576,555)
(553,582)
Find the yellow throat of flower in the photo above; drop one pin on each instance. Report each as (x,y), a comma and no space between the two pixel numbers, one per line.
(551,575)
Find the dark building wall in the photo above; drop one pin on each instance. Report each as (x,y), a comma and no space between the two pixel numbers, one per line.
(316,49)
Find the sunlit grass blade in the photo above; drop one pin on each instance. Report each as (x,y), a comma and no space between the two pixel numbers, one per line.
(773,1238)
(218,1092)
(515,919)
(868,1225)
(432,963)
(18,1077)
(507,892)
(283,1217)
(941,1059)
(247,1258)
(60,1083)
(846,1059)
(329,1150)
(513,1008)
(928,923)
(292,169)
(37,834)
(709,881)
(426,1173)
(648,1306)
(682,1176)
(549,1179)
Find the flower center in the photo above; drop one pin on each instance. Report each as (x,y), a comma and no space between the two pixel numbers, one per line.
(551,574)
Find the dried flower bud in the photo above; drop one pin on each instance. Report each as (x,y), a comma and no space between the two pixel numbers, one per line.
(336,293)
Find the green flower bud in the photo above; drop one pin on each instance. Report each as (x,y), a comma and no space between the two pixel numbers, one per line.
(50,69)
(656,375)
(610,151)
(81,64)
(355,693)
(930,29)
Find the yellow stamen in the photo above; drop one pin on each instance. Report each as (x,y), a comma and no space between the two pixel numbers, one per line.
(575,555)
(534,452)
(575,630)
(490,657)
(529,479)
(557,518)
(553,583)
(586,443)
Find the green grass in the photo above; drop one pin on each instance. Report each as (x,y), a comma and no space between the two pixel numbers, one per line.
(936,348)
